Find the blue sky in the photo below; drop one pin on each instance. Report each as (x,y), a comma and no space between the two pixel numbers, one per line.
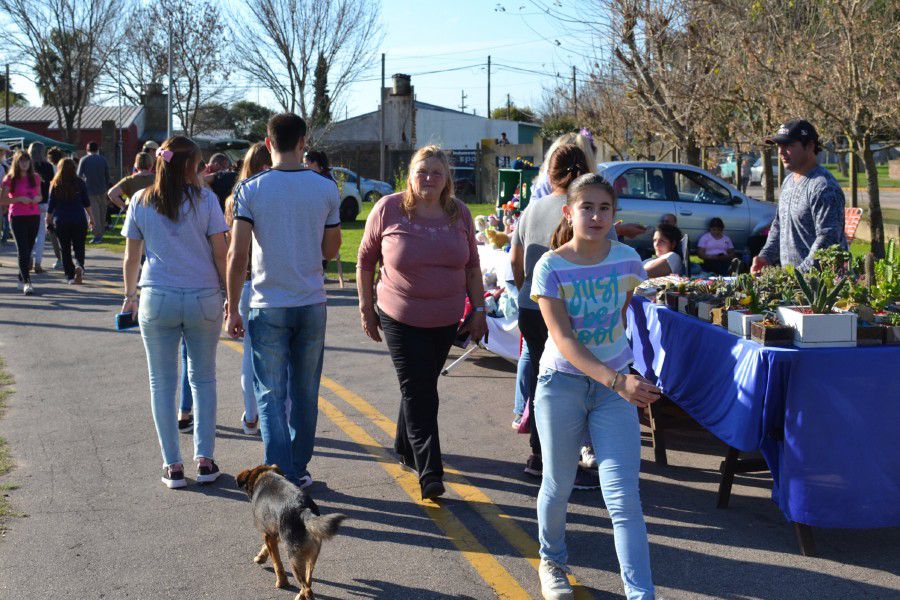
(430,36)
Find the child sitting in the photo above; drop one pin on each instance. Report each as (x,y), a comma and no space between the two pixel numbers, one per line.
(715,248)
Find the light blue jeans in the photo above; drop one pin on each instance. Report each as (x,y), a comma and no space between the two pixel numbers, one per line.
(38,252)
(250,410)
(565,406)
(288,346)
(166,316)
(523,376)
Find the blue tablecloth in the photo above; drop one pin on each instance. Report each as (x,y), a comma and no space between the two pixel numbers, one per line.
(825,419)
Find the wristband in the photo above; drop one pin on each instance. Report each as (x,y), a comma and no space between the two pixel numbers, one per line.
(478,309)
(613,381)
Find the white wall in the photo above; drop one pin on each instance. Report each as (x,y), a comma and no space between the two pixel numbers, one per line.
(457,131)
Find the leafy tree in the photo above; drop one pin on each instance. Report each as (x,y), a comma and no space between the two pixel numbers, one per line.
(15,98)
(250,120)
(514,113)
(321,111)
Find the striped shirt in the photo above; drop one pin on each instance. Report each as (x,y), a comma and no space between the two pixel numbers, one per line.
(594,296)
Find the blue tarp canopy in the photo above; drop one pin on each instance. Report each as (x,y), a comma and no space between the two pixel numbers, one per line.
(9,133)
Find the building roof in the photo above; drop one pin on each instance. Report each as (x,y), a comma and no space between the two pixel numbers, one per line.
(91,117)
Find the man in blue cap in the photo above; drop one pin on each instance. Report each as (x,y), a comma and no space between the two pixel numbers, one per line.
(811,208)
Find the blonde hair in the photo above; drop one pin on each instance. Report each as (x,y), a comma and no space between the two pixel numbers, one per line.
(448,203)
(575,139)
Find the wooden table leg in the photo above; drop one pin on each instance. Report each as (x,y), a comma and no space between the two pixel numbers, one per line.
(732,465)
(805,539)
(659,438)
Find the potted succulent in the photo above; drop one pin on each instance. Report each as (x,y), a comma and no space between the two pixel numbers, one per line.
(675,294)
(770,332)
(743,306)
(892,329)
(815,323)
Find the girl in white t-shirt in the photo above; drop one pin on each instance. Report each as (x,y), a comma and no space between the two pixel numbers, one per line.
(716,248)
(667,259)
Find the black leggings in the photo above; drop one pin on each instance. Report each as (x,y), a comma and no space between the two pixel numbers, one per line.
(534,330)
(419,354)
(25,230)
(71,239)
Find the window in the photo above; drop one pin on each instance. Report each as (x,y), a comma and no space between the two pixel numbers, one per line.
(694,187)
(644,184)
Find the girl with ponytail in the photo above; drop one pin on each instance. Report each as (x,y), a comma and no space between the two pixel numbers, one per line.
(583,287)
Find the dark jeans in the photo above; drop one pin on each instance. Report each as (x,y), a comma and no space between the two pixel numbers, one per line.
(419,354)
(25,230)
(71,239)
(534,330)
(717,267)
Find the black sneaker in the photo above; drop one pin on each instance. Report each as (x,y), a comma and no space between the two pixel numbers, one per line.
(173,479)
(534,466)
(208,473)
(186,425)
(433,489)
(587,479)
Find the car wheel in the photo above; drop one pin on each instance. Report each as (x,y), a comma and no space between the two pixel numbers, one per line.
(349,209)
(373,196)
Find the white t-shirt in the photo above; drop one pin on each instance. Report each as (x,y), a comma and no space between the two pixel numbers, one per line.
(715,246)
(672,258)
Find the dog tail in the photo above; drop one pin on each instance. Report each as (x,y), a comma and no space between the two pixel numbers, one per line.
(324,528)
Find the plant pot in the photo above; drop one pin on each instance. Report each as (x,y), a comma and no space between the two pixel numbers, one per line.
(718,316)
(771,335)
(739,322)
(891,334)
(870,335)
(834,330)
(705,308)
(672,299)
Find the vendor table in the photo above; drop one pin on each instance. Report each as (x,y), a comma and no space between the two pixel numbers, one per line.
(825,419)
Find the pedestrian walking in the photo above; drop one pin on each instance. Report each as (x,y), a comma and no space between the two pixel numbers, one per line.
(583,287)
(424,241)
(179,224)
(37,152)
(257,160)
(68,216)
(530,241)
(21,189)
(745,174)
(94,169)
(128,186)
(291,216)
(220,176)
(810,212)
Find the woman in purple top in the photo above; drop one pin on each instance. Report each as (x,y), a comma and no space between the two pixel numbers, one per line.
(424,241)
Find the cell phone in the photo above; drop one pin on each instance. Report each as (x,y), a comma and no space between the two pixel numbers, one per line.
(126,320)
(463,338)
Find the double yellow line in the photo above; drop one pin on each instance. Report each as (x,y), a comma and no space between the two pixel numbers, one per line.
(485,564)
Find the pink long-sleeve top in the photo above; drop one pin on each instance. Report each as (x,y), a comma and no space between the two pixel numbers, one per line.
(423,262)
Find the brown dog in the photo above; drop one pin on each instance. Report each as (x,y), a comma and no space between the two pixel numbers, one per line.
(284,512)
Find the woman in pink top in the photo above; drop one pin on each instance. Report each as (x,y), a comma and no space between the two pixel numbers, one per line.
(424,240)
(21,189)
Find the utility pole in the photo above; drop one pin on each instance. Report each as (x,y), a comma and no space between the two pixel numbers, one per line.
(169,107)
(489,88)
(508,107)
(121,159)
(462,102)
(381,136)
(574,94)
(7,94)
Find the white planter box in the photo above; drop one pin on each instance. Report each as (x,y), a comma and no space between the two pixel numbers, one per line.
(834,330)
(739,322)
(704,310)
(682,304)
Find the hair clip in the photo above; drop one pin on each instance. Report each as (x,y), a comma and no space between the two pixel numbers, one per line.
(166,155)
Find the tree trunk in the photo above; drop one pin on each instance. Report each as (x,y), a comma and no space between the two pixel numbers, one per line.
(767,179)
(875,219)
(854,180)
(690,154)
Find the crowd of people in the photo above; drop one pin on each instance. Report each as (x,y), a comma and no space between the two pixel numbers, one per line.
(261,232)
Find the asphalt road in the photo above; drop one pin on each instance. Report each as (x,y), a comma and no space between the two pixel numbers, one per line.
(101,525)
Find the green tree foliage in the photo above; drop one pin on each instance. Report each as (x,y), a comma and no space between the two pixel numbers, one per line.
(321,111)
(249,120)
(514,113)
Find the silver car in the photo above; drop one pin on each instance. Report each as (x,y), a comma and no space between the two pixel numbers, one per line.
(648,190)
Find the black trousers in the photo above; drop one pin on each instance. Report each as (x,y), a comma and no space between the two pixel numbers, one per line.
(419,354)
(534,330)
(25,230)
(71,239)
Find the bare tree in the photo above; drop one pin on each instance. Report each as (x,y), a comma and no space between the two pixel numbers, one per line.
(287,37)
(69,43)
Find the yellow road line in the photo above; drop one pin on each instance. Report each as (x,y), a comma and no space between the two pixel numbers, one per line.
(480,502)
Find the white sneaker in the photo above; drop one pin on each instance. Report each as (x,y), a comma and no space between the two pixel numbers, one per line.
(305,482)
(554,583)
(250,429)
(588,460)
(28,289)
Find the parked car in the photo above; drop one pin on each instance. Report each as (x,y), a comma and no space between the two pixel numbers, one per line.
(756,171)
(357,189)
(647,190)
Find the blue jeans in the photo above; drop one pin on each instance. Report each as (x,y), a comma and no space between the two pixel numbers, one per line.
(187,399)
(288,345)
(250,410)
(524,374)
(565,406)
(166,316)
